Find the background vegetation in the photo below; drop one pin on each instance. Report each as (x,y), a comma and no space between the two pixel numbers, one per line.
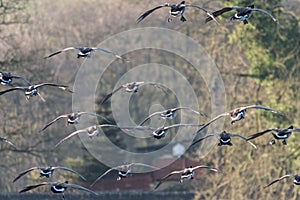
(259,64)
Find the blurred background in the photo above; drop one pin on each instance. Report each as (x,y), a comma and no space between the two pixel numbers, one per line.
(258,62)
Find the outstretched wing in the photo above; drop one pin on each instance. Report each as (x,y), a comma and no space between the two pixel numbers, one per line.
(179,125)
(78,187)
(56,119)
(188,108)
(147,118)
(110,94)
(12,89)
(30,187)
(167,176)
(142,164)
(69,136)
(211,121)
(244,138)
(279,179)
(115,168)
(70,170)
(25,172)
(63,87)
(264,12)
(251,137)
(8,142)
(58,52)
(218,13)
(148,12)
(203,138)
(259,107)
(109,52)
(210,15)
(94,114)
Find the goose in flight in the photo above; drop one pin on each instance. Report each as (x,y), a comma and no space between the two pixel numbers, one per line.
(295,176)
(238,114)
(73,118)
(6,78)
(91,131)
(47,172)
(84,52)
(281,134)
(169,113)
(225,138)
(7,141)
(242,13)
(32,90)
(123,171)
(187,173)
(177,10)
(58,187)
(131,87)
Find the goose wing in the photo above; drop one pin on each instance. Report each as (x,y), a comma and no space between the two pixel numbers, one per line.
(210,15)
(94,114)
(115,168)
(148,12)
(218,13)
(69,170)
(142,164)
(108,51)
(78,187)
(8,141)
(153,114)
(205,166)
(251,137)
(264,12)
(25,172)
(179,125)
(211,121)
(167,176)
(12,89)
(63,87)
(279,179)
(244,138)
(259,107)
(56,119)
(110,94)
(58,52)
(203,138)
(188,108)
(30,187)
(69,136)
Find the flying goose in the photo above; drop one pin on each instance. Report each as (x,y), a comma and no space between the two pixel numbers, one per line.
(47,172)
(131,87)
(242,13)
(238,114)
(91,131)
(187,173)
(73,118)
(225,138)
(176,11)
(58,187)
(170,113)
(84,52)
(6,78)
(281,134)
(32,90)
(296,179)
(7,141)
(123,171)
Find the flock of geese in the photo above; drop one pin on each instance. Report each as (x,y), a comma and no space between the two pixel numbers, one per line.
(176,10)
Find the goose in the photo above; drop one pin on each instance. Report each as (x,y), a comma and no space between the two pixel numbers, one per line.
(295,176)
(73,118)
(123,171)
(225,138)
(281,134)
(169,113)
(91,131)
(7,141)
(177,10)
(32,90)
(187,173)
(58,187)
(242,13)
(47,172)
(238,114)
(131,87)
(84,52)
(7,77)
